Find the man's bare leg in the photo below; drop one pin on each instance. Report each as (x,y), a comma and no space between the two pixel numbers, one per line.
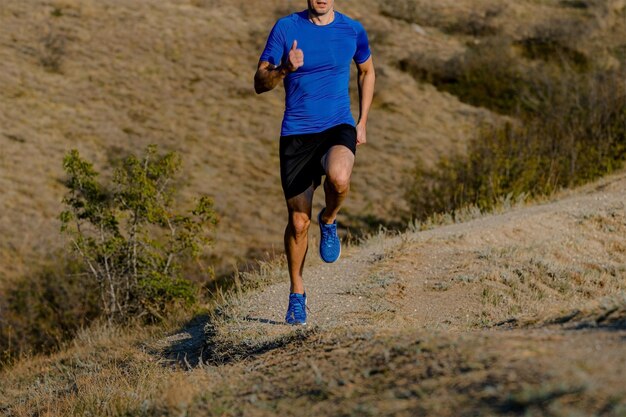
(338,163)
(296,236)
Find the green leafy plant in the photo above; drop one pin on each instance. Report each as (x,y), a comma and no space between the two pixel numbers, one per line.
(130,238)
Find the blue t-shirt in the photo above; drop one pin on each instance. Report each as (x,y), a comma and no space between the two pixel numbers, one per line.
(316,95)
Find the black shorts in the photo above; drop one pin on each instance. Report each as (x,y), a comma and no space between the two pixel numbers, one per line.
(301,156)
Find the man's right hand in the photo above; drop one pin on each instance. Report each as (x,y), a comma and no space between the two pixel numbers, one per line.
(268,75)
(296,57)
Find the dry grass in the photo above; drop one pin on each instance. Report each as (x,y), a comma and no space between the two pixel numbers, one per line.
(105,371)
(420,374)
(516,313)
(347,373)
(109,77)
(522,270)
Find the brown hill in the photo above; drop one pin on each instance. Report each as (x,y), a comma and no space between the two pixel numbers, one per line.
(109,77)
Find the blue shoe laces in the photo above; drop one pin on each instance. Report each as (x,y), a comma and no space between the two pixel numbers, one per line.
(329,233)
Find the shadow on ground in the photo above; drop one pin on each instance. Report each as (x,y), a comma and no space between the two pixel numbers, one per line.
(265,321)
(185,348)
(196,344)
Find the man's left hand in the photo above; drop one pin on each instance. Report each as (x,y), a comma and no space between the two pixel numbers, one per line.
(361,134)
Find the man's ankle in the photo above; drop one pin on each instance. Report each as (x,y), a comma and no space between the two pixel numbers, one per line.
(327,220)
(296,290)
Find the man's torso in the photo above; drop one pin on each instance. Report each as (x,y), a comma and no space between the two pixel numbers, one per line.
(317,94)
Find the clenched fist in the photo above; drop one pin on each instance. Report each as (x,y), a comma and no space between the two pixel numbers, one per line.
(296,57)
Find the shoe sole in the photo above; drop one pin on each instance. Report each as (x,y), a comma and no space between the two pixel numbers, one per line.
(319,250)
(330,262)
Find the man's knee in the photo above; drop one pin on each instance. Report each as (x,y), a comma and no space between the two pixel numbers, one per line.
(340,182)
(300,223)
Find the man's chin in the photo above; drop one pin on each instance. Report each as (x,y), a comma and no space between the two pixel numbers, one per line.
(321,11)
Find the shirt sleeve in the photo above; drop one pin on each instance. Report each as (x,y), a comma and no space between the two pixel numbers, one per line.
(275,46)
(363,51)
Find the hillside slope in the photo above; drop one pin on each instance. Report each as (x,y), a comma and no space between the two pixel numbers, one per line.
(517,313)
(109,77)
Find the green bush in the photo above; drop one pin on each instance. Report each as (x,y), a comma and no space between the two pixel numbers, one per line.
(128,235)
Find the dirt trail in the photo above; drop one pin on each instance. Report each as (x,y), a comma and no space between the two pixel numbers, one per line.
(520,313)
(424,279)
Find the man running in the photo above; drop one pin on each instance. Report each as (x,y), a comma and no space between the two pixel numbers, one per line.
(311,52)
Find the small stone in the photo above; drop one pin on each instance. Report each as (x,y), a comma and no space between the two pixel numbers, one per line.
(418,29)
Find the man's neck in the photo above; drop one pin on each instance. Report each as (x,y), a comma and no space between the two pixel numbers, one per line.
(322,20)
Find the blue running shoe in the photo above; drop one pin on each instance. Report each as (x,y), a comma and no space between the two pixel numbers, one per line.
(330,245)
(296,312)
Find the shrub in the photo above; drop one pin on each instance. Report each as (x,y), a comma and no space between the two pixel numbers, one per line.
(507,76)
(490,75)
(129,237)
(555,42)
(575,4)
(575,133)
(487,74)
(477,22)
(39,312)
(52,50)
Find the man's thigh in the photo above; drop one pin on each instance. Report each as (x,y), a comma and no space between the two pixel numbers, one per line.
(338,162)
(301,203)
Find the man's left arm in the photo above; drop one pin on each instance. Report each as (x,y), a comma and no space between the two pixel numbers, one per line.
(366,81)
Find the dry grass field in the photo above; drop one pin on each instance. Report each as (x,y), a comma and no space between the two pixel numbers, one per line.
(517,313)
(109,77)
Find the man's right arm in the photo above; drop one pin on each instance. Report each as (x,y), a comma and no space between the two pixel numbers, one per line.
(268,76)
